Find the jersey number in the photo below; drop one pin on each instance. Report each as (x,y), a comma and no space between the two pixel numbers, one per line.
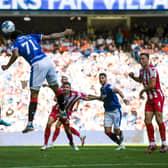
(27,44)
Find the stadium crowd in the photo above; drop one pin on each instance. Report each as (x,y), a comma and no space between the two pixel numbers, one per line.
(81,60)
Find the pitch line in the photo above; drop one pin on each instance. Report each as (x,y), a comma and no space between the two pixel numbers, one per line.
(95,165)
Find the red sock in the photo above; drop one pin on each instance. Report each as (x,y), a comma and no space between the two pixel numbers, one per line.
(74,131)
(150,132)
(162,131)
(56,133)
(47,134)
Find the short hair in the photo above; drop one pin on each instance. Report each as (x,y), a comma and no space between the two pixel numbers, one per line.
(15,34)
(102,74)
(66,83)
(63,76)
(146,54)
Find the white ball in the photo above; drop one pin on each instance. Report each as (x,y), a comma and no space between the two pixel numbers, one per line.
(8,27)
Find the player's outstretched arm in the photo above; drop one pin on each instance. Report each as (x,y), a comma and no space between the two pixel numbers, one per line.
(137,79)
(55,36)
(13,58)
(91,97)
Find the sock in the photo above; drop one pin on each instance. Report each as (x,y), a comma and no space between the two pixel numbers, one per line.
(60,100)
(162,131)
(75,132)
(150,132)
(32,108)
(113,137)
(30,123)
(56,133)
(47,135)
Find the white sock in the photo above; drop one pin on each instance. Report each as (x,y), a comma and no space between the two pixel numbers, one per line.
(152,143)
(164,143)
(30,123)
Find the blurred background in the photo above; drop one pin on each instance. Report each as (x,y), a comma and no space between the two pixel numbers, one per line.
(108,37)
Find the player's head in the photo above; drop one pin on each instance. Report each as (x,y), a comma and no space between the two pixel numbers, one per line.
(15,34)
(64,79)
(144,59)
(12,36)
(66,87)
(102,78)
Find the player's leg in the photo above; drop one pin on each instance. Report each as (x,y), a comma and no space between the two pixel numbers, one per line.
(32,110)
(52,81)
(56,133)
(150,131)
(60,97)
(149,113)
(37,77)
(162,128)
(82,137)
(117,116)
(47,133)
(111,135)
(69,133)
(120,136)
(108,127)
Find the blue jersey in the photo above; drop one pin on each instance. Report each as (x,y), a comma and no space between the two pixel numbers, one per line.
(110,98)
(29,47)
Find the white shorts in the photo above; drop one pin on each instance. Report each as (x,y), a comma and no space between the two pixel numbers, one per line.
(41,71)
(113,118)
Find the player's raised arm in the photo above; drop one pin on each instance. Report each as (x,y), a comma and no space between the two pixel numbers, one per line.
(137,79)
(13,58)
(54,36)
(121,95)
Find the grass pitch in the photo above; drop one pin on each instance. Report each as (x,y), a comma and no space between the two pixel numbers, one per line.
(86,157)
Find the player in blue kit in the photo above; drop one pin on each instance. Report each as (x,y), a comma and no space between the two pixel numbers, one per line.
(112,115)
(28,46)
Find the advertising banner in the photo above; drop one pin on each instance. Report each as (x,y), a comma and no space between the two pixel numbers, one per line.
(83,4)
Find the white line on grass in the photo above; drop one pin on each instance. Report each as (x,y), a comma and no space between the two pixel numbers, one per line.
(96,165)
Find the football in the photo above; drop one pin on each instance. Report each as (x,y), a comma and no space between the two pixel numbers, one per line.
(8,27)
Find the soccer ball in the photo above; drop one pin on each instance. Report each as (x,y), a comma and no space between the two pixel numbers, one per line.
(8,27)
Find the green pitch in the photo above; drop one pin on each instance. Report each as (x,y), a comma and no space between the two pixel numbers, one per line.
(86,157)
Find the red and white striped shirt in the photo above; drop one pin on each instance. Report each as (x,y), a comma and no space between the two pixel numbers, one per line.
(70,100)
(148,74)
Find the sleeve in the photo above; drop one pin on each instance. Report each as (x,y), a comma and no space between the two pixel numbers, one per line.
(83,95)
(38,37)
(14,46)
(80,95)
(153,72)
(111,87)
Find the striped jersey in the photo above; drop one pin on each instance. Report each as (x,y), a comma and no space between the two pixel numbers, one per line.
(29,47)
(70,100)
(148,74)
